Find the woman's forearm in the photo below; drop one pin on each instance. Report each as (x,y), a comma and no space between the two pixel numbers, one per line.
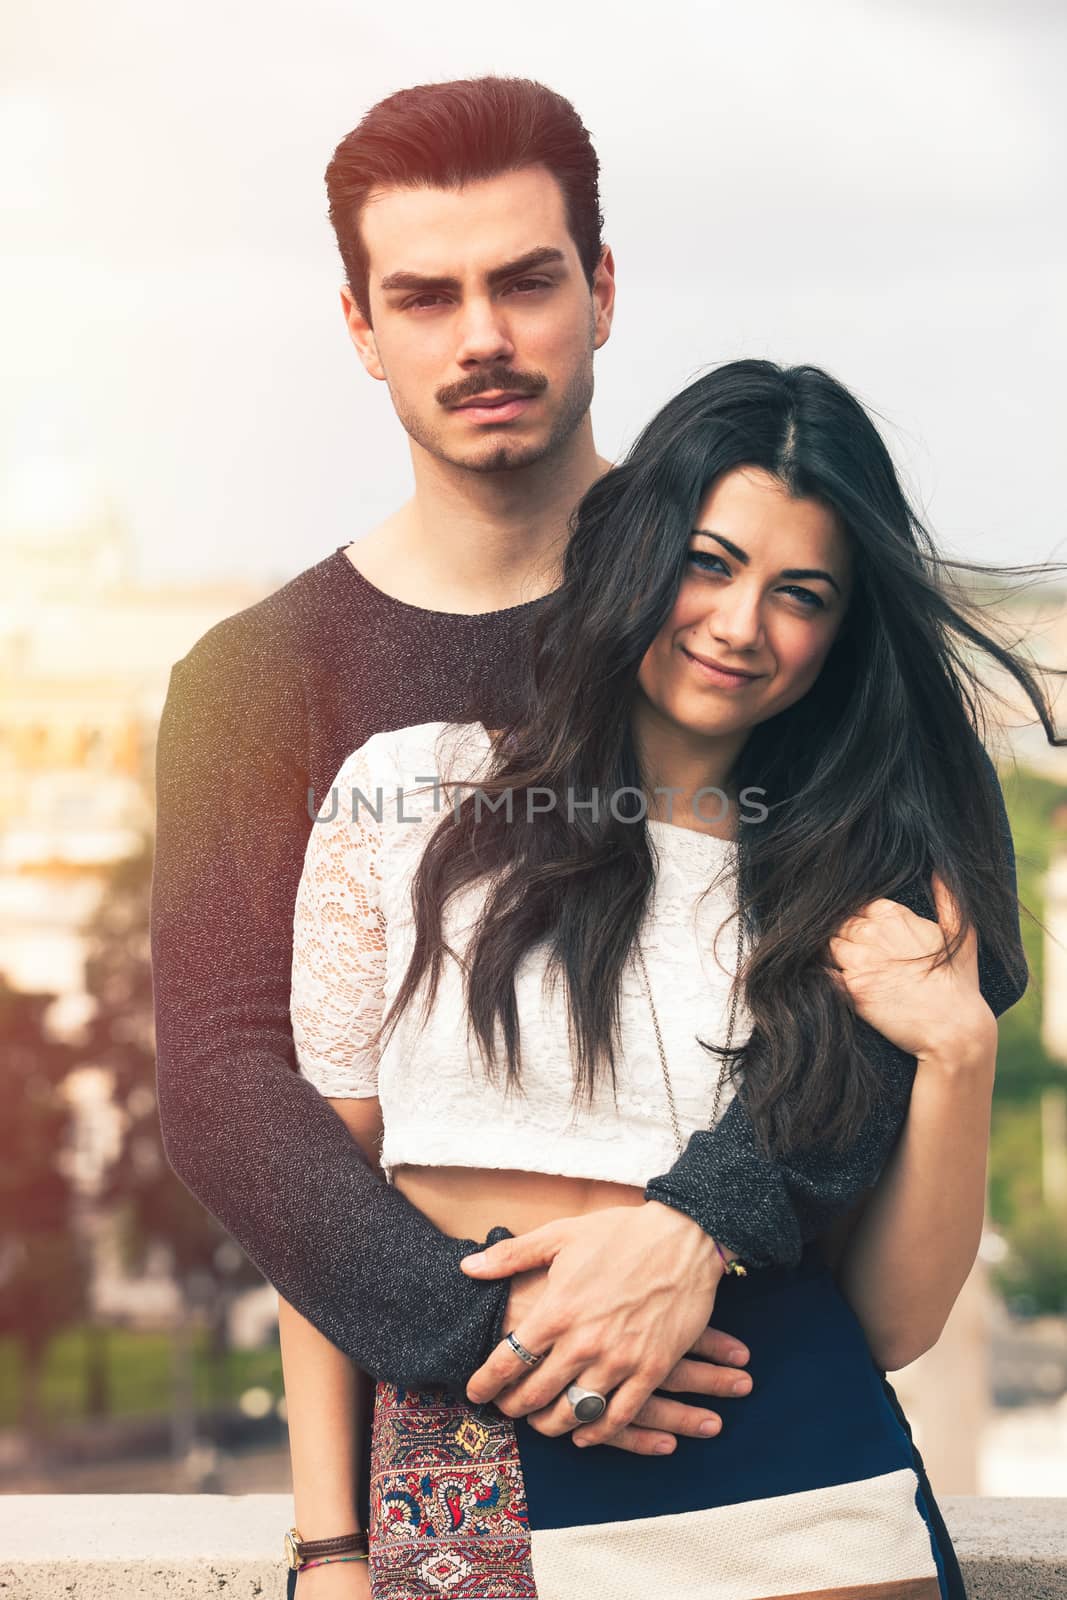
(324,1395)
(917,1237)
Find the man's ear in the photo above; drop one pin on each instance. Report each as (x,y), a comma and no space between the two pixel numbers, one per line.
(603,297)
(361,334)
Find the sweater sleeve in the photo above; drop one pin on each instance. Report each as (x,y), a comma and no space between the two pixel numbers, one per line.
(766,1211)
(255,1141)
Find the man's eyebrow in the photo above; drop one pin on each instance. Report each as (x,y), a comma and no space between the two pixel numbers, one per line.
(546,255)
(788,572)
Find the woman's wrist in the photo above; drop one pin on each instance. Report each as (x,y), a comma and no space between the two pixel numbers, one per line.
(318,1519)
(349,1578)
(970,1049)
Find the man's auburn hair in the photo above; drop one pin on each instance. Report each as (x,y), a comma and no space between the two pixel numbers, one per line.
(444,135)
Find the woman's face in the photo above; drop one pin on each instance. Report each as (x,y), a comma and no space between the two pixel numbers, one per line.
(765,590)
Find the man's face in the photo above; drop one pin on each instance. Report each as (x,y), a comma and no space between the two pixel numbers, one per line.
(480,292)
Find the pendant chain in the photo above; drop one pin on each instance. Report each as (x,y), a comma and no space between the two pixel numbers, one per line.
(725,1066)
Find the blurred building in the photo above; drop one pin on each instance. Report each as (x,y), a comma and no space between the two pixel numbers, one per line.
(85,656)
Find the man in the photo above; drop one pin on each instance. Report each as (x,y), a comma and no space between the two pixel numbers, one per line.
(469,278)
(478,290)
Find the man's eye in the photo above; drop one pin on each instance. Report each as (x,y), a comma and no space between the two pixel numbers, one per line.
(425,302)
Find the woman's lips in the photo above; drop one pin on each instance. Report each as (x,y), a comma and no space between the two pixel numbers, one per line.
(722,679)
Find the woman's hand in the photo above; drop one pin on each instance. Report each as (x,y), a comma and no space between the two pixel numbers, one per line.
(628,1293)
(882,961)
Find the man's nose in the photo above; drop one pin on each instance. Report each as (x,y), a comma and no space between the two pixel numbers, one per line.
(484,334)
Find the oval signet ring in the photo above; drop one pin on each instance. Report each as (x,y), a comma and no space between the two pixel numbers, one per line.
(521,1351)
(586,1404)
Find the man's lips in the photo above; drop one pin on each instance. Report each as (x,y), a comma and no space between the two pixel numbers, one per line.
(498,407)
(491,397)
(717,673)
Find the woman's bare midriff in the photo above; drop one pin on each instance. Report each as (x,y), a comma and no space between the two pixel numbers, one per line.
(467,1201)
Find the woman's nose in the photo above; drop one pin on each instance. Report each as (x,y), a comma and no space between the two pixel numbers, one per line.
(736,621)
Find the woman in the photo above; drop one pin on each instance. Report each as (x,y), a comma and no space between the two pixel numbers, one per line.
(749,610)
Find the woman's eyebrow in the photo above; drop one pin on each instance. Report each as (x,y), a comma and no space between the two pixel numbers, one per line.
(787,572)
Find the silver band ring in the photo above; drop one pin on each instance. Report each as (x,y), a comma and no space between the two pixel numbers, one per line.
(521,1351)
(586,1404)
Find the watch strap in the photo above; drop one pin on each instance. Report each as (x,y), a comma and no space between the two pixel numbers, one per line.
(343,1544)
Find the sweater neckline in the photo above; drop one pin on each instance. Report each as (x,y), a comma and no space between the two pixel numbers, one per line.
(380,598)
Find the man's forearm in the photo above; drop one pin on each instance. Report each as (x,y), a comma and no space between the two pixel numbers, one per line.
(255,1142)
(263,1151)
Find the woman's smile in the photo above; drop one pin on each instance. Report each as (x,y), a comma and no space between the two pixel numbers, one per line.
(717,676)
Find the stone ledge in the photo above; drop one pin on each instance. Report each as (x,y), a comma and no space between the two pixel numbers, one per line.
(157,1546)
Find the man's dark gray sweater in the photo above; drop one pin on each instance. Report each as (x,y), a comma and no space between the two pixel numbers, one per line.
(262,710)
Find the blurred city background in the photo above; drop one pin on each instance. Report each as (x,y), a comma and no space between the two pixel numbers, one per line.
(183,426)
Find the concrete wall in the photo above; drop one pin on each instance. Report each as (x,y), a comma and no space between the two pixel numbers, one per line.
(87,1547)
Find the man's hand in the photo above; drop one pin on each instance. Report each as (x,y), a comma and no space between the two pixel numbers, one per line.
(711,1367)
(628,1292)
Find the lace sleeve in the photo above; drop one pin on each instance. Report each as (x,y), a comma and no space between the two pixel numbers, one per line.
(339,943)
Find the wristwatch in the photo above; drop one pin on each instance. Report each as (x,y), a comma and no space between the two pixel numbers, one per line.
(299,1551)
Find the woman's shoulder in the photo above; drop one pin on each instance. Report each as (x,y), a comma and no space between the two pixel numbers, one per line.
(413,761)
(448,751)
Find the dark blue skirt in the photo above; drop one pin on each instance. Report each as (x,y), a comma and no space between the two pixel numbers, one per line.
(812,1488)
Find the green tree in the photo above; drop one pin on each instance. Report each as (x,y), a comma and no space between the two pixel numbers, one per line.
(154,1205)
(1034,1271)
(42,1271)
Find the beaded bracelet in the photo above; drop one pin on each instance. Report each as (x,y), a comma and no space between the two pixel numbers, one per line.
(734,1266)
(325,1561)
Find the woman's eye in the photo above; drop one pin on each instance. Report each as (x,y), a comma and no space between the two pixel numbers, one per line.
(808,598)
(811,599)
(702,556)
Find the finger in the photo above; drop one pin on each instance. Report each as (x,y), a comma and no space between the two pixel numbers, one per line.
(535,1391)
(503,1369)
(534,1388)
(538,1248)
(638,1441)
(656,1424)
(622,1410)
(949,912)
(723,1348)
(675,1416)
(556,1416)
(554,1420)
(702,1377)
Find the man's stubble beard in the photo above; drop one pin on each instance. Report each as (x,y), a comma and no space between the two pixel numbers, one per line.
(510,454)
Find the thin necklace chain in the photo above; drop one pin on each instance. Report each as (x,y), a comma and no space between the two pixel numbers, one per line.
(725,1066)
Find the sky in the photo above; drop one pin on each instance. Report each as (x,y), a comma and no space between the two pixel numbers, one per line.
(873,187)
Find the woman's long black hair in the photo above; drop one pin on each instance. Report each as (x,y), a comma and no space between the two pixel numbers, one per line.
(874,777)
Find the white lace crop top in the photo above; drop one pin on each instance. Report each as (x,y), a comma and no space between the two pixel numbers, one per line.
(353,934)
